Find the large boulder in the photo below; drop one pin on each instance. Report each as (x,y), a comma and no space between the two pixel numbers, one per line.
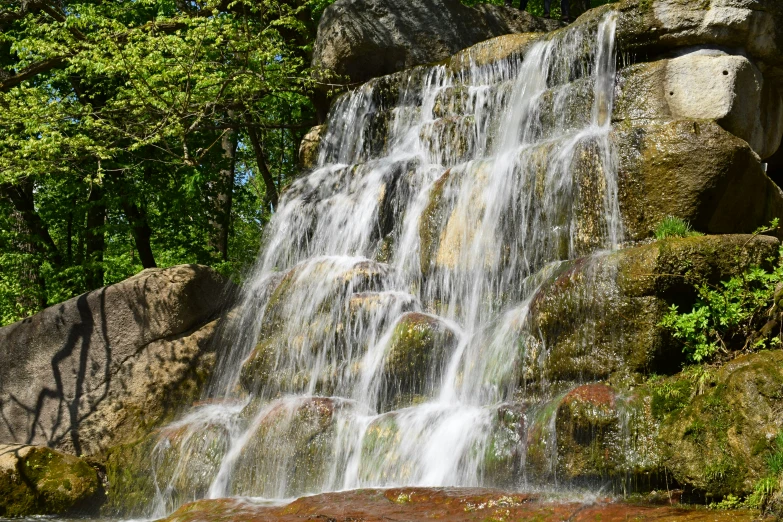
(104,367)
(36,480)
(301,432)
(593,434)
(362,39)
(651,27)
(718,428)
(598,317)
(705,85)
(416,359)
(694,170)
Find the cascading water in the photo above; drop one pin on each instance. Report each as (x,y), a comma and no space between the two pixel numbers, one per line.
(381,336)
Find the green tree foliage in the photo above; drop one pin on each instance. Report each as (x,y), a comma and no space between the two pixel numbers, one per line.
(535,7)
(142,133)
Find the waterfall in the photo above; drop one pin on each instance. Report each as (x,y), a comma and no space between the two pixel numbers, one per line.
(381,336)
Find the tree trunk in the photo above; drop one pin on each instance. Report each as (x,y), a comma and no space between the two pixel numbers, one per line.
(21,197)
(225,196)
(94,238)
(142,233)
(269,182)
(32,296)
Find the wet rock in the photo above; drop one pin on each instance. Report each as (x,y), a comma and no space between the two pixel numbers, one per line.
(718,428)
(389,445)
(694,170)
(598,317)
(36,480)
(129,472)
(362,39)
(594,435)
(493,50)
(573,224)
(453,504)
(103,367)
(308,149)
(301,432)
(586,422)
(187,458)
(503,459)
(324,284)
(415,360)
(315,310)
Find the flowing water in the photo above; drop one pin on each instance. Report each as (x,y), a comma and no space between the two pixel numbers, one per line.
(380,339)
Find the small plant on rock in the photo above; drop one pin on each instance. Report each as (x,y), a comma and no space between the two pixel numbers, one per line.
(674,227)
(768,492)
(744,313)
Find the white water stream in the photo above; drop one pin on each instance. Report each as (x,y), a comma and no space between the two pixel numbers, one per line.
(442,199)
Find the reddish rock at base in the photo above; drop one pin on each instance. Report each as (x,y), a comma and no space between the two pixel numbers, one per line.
(452,504)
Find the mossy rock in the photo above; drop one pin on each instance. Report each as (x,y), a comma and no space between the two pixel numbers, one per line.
(502,464)
(36,480)
(386,455)
(308,312)
(598,317)
(130,476)
(361,317)
(297,284)
(716,437)
(289,449)
(587,426)
(415,359)
(592,435)
(693,170)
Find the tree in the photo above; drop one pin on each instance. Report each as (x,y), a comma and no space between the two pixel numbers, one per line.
(143,133)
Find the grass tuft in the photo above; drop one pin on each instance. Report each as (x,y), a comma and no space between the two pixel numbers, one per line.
(674,227)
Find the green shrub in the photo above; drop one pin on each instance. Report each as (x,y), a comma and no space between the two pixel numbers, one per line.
(674,227)
(725,317)
(729,316)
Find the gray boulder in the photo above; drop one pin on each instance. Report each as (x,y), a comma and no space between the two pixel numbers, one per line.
(362,39)
(705,85)
(99,369)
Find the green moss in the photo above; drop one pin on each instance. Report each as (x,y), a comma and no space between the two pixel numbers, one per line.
(712,430)
(48,482)
(129,473)
(416,352)
(430,223)
(669,395)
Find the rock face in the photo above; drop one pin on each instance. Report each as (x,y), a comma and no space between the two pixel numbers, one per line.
(691,124)
(308,149)
(717,433)
(36,480)
(598,317)
(104,367)
(415,359)
(651,27)
(362,39)
(726,61)
(707,84)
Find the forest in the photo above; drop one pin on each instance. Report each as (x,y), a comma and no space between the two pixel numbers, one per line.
(136,134)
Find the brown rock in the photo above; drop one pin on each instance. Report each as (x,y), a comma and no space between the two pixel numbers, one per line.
(76,375)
